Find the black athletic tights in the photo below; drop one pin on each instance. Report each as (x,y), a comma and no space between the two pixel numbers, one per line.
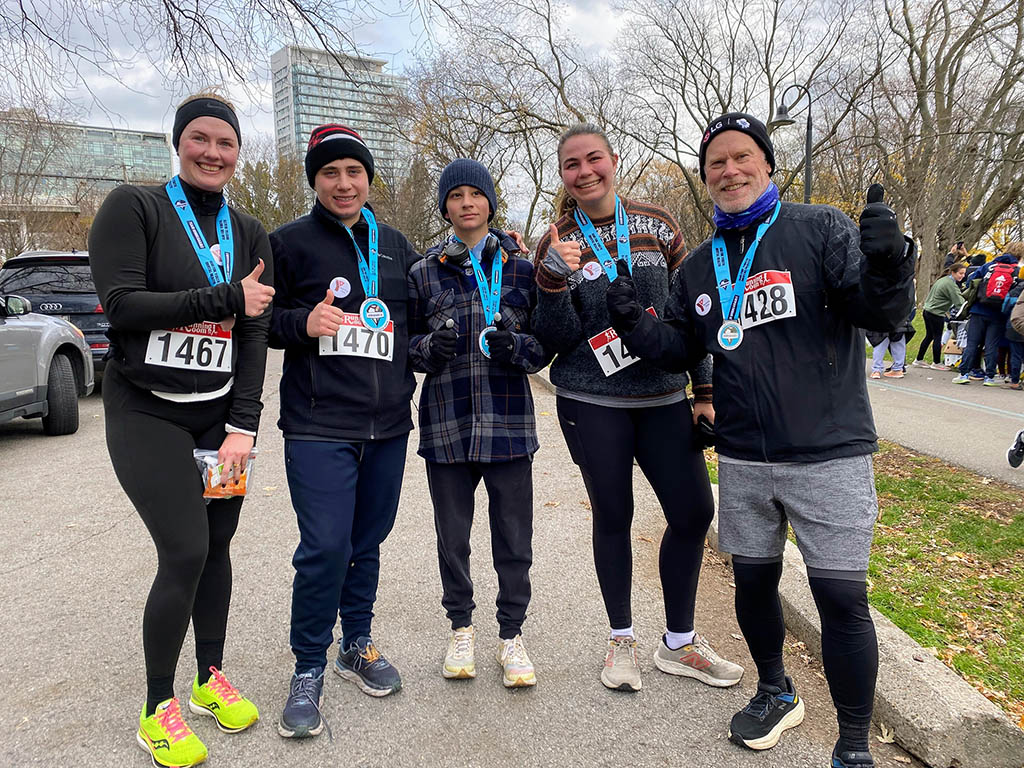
(933,325)
(849,648)
(603,442)
(150,441)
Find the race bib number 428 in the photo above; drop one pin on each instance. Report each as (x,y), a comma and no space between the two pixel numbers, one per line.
(356,340)
(197,347)
(769,296)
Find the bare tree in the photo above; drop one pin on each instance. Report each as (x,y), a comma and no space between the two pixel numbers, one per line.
(270,186)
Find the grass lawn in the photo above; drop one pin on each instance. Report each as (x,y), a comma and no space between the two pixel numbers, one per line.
(947,567)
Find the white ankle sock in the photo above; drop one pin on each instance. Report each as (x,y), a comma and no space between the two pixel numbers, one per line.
(627,632)
(676,640)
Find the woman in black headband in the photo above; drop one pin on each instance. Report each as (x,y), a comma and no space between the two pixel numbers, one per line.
(185,281)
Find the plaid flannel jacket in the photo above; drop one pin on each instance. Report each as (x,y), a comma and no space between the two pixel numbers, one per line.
(472,409)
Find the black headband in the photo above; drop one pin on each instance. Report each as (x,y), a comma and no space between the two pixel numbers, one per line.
(190,110)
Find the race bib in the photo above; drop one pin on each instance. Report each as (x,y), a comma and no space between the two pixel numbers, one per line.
(356,340)
(769,296)
(612,355)
(197,347)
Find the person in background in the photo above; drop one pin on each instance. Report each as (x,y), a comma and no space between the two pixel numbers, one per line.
(944,298)
(1013,338)
(896,343)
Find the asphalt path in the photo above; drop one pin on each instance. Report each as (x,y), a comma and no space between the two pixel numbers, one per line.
(76,564)
(965,424)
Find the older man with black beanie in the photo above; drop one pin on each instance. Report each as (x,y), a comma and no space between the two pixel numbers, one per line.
(778,297)
(341,318)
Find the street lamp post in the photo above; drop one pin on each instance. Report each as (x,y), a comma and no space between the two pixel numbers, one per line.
(782,118)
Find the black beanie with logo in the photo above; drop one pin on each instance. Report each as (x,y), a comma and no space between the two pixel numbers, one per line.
(744,123)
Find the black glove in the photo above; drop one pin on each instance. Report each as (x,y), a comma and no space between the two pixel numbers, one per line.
(703,433)
(880,236)
(622,304)
(501,344)
(441,344)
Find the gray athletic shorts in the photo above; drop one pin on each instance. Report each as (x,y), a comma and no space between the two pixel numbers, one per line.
(830,504)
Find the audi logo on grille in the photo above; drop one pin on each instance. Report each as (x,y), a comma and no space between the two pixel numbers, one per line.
(51,307)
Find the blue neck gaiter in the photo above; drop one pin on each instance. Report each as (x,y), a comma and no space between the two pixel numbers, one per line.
(761,206)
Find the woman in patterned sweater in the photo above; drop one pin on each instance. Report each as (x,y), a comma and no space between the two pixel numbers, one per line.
(614,408)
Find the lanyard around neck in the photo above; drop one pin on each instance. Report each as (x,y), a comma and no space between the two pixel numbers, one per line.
(597,245)
(215,273)
(730,292)
(490,295)
(367,270)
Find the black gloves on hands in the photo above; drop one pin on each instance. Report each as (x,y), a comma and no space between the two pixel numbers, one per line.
(441,344)
(880,236)
(622,304)
(501,344)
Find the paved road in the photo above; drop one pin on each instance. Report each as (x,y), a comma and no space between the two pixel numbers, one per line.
(968,425)
(76,564)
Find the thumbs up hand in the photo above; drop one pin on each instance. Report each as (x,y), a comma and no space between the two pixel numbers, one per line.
(257,295)
(880,236)
(325,319)
(567,252)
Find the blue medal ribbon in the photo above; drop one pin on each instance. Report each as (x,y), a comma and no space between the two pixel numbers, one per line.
(367,271)
(731,293)
(490,295)
(215,273)
(597,245)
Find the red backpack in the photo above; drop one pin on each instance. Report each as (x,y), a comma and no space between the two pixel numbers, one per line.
(997,284)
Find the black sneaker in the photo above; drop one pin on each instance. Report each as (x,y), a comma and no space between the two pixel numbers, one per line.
(364,665)
(301,716)
(851,759)
(1015,455)
(772,711)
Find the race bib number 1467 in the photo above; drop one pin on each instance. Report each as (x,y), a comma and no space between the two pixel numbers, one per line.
(197,347)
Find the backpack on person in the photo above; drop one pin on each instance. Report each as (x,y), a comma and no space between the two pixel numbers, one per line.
(996,287)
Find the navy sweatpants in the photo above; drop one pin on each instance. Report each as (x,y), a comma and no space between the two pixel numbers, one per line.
(345,497)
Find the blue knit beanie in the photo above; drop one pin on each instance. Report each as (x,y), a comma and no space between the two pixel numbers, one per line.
(470,172)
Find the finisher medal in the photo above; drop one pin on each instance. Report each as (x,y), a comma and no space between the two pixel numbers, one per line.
(730,335)
(374,314)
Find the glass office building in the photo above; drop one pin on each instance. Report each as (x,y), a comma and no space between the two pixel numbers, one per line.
(62,164)
(312,87)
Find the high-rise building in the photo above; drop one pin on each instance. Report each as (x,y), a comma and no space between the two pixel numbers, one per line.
(62,164)
(312,87)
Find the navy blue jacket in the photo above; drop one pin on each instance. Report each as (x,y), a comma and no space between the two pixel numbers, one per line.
(982,272)
(339,397)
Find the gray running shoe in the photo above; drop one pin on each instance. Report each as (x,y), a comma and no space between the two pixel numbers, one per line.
(699,661)
(621,670)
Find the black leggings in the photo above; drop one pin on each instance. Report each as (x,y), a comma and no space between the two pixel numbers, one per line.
(150,441)
(849,649)
(933,325)
(603,442)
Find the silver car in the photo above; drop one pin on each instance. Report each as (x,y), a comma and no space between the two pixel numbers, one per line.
(45,365)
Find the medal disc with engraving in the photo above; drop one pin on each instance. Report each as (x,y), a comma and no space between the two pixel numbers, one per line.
(374,314)
(484,346)
(730,335)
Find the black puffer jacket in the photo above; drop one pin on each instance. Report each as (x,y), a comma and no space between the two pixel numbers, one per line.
(794,390)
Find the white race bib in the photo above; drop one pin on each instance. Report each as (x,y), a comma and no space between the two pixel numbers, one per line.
(197,347)
(769,296)
(612,355)
(356,340)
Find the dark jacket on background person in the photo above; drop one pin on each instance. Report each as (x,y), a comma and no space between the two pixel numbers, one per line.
(794,390)
(473,409)
(904,329)
(981,273)
(336,396)
(148,277)
(1009,306)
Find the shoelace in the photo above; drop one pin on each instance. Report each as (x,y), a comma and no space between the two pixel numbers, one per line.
(170,720)
(623,644)
(305,685)
(370,653)
(759,706)
(705,650)
(462,645)
(514,652)
(220,685)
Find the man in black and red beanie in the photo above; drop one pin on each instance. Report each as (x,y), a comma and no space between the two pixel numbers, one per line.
(778,297)
(340,316)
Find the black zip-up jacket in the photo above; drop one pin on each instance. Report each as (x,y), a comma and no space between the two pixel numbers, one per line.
(794,390)
(335,396)
(148,277)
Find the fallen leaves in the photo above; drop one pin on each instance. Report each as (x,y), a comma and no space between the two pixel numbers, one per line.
(887,735)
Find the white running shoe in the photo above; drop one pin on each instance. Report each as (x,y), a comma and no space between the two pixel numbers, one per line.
(621,670)
(459,662)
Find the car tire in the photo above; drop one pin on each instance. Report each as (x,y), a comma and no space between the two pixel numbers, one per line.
(61,398)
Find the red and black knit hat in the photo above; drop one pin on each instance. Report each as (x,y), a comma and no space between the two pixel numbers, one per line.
(334,141)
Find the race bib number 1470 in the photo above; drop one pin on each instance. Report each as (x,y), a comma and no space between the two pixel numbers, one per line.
(356,340)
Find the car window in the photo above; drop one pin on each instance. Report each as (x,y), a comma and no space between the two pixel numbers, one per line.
(47,278)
